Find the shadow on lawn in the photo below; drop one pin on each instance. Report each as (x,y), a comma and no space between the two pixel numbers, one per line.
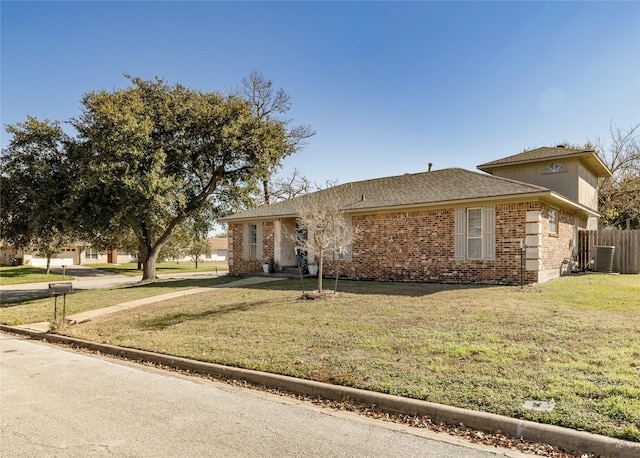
(163,322)
(187,282)
(368,287)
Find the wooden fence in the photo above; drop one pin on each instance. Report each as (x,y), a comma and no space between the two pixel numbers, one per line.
(626,258)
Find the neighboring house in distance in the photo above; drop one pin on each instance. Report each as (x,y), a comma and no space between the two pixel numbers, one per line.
(68,256)
(219,249)
(449,225)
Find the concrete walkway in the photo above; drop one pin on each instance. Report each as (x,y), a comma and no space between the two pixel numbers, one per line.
(82,317)
(85,278)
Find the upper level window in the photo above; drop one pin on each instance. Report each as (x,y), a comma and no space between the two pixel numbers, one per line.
(556,167)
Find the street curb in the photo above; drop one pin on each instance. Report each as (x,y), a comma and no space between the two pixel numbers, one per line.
(556,436)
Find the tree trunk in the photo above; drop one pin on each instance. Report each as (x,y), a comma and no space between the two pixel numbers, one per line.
(267,193)
(149,267)
(48,264)
(320,263)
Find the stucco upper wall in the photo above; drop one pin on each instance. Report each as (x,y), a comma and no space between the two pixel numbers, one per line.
(576,181)
(587,188)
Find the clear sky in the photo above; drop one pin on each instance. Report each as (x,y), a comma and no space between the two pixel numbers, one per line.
(388,86)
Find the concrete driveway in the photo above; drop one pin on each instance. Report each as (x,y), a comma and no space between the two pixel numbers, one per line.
(55,402)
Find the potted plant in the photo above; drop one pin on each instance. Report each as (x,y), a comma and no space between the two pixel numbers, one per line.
(265,266)
(313,268)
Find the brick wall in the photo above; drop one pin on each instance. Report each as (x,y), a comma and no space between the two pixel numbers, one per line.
(419,246)
(557,247)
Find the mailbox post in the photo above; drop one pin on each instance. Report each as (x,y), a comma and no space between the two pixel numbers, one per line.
(60,289)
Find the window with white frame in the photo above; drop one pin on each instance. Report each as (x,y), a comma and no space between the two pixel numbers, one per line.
(475,233)
(253,241)
(553,221)
(90,253)
(341,235)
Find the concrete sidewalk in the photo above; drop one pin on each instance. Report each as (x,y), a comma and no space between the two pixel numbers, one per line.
(45,326)
(85,278)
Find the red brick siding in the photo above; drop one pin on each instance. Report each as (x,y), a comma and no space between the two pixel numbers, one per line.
(241,266)
(419,246)
(267,240)
(557,247)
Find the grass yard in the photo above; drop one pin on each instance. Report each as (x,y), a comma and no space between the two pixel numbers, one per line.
(574,340)
(29,274)
(131,268)
(38,310)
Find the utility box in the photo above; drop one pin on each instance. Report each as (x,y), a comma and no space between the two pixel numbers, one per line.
(57,289)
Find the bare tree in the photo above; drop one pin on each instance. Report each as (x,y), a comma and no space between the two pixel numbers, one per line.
(267,103)
(329,231)
(295,185)
(619,195)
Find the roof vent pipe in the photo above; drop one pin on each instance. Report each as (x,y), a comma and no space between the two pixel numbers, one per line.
(430,165)
(363,197)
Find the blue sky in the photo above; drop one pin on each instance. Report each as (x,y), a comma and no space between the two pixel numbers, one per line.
(388,86)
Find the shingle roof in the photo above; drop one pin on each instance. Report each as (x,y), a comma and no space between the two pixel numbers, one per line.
(549,153)
(426,188)
(218,243)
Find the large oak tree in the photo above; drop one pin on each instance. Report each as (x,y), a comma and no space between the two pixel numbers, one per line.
(35,191)
(152,155)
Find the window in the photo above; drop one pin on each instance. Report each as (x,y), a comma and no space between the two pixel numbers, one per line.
(253,241)
(91,253)
(475,233)
(341,235)
(555,168)
(553,221)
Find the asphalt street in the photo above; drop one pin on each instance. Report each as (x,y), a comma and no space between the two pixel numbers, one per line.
(55,402)
(85,278)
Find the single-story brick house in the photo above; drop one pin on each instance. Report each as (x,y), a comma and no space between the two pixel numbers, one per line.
(449,225)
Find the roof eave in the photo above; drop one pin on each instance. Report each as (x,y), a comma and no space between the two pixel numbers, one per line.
(548,194)
(591,157)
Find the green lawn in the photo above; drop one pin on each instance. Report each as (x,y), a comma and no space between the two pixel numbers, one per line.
(38,310)
(131,268)
(574,340)
(28,274)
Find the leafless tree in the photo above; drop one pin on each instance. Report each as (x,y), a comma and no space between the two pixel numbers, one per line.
(290,187)
(266,102)
(619,195)
(329,231)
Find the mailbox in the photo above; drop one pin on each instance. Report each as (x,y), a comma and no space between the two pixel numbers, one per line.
(56,289)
